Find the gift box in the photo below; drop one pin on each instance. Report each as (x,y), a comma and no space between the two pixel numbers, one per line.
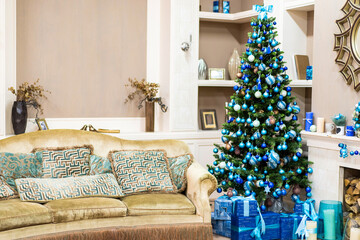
(221,227)
(289,223)
(243,228)
(223,208)
(245,207)
(307,207)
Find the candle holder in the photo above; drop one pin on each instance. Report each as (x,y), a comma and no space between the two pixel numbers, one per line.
(330,223)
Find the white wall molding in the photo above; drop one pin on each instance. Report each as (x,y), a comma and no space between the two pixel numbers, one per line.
(125,125)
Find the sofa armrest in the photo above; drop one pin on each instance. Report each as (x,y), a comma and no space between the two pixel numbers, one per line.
(200,185)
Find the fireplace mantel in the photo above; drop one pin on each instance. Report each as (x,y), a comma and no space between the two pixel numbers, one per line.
(323,151)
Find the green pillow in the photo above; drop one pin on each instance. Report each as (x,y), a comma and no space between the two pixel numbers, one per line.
(18,165)
(47,189)
(178,167)
(142,171)
(99,165)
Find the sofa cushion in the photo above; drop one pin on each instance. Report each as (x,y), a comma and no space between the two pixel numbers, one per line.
(67,210)
(47,189)
(142,171)
(99,165)
(5,190)
(158,204)
(178,167)
(18,165)
(65,161)
(15,213)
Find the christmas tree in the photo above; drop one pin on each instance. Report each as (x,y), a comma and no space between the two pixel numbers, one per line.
(261,154)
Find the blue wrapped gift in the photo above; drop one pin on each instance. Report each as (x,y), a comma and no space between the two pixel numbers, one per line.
(307,207)
(221,227)
(245,207)
(245,228)
(223,208)
(289,224)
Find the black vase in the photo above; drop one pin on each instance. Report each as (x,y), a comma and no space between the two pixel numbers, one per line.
(19,117)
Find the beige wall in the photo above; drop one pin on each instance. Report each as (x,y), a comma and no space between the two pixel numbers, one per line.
(83,51)
(330,95)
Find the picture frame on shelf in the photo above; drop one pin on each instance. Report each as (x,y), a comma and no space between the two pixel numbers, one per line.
(208,119)
(41,122)
(216,73)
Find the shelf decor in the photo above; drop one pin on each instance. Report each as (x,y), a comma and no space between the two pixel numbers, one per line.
(233,64)
(217,73)
(347,43)
(202,69)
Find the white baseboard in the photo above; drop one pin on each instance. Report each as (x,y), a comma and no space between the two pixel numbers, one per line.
(125,125)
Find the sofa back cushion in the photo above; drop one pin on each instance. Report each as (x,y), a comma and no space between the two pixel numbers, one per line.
(99,165)
(142,171)
(178,167)
(47,189)
(64,162)
(18,165)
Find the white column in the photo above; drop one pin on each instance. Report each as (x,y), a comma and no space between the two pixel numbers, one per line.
(7,62)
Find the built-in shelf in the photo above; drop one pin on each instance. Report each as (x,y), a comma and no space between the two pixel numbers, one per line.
(239,17)
(300,5)
(230,83)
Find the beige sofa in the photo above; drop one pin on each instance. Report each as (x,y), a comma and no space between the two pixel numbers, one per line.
(145,216)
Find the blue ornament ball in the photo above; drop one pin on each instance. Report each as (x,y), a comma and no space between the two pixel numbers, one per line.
(263,208)
(219,190)
(281,105)
(283,192)
(298,171)
(235,192)
(275,195)
(271,185)
(270,80)
(310,170)
(309,195)
(247,193)
(215,150)
(262,66)
(239,180)
(287,186)
(308,189)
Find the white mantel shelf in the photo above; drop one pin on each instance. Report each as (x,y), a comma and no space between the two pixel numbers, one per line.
(300,5)
(239,17)
(328,141)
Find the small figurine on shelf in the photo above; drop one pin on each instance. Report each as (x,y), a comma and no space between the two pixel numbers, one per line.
(356,119)
(340,121)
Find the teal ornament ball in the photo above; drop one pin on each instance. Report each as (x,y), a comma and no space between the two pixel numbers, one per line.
(310,170)
(262,67)
(281,105)
(270,80)
(253,161)
(296,109)
(287,186)
(275,65)
(292,133)
(238,120)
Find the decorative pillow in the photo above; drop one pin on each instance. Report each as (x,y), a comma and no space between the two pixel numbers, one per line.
(178,167)
(65,162)
(18,165)
(99,165)
(142,171)
(44,190)
(5,190)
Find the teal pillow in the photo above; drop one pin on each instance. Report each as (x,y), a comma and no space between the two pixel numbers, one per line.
(47,189)
(18,165)
(99,165)
(5,190)
(142,171)
(65,162)
(178,167)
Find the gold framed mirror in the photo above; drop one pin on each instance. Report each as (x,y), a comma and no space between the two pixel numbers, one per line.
(347,43)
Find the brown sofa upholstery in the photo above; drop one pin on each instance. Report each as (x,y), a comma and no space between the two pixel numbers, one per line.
(154,215)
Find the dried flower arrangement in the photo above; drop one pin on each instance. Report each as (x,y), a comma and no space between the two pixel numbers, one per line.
(146,90)
(31,94)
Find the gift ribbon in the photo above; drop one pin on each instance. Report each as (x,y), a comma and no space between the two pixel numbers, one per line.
(296,223)
(263,10)
(301,231)
(312,231)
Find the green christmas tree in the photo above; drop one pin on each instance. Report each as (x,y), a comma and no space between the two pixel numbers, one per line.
(261,154)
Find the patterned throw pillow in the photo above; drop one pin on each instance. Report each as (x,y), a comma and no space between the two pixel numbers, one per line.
(178,167)
(142,171)
(99,165)
(18,165)
(5,191)
(65,162)
(44,190)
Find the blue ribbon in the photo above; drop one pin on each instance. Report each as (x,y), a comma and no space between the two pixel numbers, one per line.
(263,10)
(301,231)
(312,231)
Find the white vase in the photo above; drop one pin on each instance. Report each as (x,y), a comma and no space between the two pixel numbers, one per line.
(233,65)
(202,69)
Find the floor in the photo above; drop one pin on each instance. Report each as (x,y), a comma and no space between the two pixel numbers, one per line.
(218,237)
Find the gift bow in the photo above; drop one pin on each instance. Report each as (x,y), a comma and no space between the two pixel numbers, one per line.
(263,10)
